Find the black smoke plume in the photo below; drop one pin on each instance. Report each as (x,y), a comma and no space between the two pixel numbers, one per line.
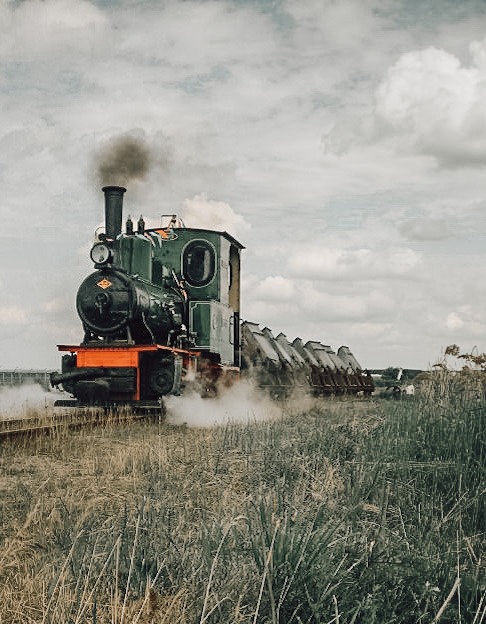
(123,159)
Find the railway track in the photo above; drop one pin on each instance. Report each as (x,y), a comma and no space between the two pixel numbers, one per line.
(81,418)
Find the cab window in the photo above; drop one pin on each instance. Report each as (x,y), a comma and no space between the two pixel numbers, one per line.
(198,263)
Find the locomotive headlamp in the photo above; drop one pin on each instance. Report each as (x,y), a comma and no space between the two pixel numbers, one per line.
(100,253)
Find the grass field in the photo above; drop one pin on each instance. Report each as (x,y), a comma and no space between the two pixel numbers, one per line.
(344,512)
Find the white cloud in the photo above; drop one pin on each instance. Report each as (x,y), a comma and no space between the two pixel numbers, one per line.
(12,315)
(468,320)
(46,50)
(429,96)
(36,30)
(202,212)
(454,321)
(56,305)
(344,25)
(352,264)
(196,36)
(275,289)
(308,302)
(428,102)
(426,88)
(426,229)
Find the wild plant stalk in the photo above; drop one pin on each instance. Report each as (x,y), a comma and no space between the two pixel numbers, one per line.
(204,615)
(132,558)
(266,580)
(88,601)
(59,580)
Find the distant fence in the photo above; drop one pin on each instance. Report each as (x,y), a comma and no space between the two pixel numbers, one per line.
(17,377)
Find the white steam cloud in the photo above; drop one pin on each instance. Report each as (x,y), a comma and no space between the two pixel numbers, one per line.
(24,401)
(239,404)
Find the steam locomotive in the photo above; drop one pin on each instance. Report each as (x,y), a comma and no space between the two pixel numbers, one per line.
(161,313)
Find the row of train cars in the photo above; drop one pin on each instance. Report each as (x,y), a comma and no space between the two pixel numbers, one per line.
(282,367)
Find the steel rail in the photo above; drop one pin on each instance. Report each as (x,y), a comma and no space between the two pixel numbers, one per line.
(35,427)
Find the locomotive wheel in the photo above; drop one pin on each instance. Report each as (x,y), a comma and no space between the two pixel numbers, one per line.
(161,380)
(160,375)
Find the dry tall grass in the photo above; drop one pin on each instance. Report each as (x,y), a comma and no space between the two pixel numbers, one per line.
(349,512)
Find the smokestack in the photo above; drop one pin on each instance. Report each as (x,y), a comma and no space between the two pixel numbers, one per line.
(113,210)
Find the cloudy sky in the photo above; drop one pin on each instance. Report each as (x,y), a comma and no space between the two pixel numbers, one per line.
(342,141)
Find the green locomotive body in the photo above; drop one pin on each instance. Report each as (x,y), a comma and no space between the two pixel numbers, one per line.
(162,306)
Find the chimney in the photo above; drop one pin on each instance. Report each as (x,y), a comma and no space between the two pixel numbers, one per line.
(113,210)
